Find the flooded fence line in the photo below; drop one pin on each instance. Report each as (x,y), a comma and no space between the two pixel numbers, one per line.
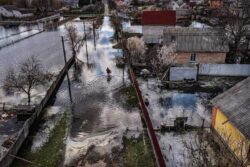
(42,20)
(192,72)
(21,39)
(9,156)
(151,133)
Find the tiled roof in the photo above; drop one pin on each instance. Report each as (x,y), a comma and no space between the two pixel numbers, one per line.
(196,39)
(159,17)
(235,104)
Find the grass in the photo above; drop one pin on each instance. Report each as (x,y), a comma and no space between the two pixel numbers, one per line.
(129,94)
(49,155)
(138,153)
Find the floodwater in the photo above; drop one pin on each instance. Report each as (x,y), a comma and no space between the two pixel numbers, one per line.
(46,47)
(6,32)
(98,118)
(164,107)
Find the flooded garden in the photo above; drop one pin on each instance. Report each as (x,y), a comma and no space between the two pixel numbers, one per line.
(182,123)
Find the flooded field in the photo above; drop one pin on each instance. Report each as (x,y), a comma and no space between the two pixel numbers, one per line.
(6,32)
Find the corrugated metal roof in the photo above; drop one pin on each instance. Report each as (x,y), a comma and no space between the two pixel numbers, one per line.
(235,104)
(167,17)
(196,39)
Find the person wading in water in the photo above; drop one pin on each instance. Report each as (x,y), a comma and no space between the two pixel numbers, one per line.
(108,72)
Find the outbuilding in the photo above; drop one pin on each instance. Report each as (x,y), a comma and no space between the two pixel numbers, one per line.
(231,120)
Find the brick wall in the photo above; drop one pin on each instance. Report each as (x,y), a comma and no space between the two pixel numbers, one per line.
(215,58)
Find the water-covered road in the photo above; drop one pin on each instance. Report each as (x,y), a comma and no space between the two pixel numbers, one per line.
(99,118)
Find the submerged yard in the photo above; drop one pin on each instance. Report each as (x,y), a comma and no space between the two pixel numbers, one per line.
(190,148)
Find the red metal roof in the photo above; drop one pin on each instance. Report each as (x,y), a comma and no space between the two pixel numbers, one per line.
(159,17)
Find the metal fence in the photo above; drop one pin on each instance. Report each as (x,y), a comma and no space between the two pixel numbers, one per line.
(224,69)
(8,158)
(233,70)
(150,129)
(182,73)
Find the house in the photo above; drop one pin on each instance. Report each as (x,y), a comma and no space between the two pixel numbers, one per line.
(216,4)
(197,45)
(231,119)
(153,24)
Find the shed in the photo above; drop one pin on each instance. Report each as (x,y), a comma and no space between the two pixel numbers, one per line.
(231,119)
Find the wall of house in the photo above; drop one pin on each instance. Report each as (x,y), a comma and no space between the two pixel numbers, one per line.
(216,58)
(236,141)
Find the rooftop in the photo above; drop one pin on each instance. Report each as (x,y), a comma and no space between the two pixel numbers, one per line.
(235,104)
(167,17)
(196,39)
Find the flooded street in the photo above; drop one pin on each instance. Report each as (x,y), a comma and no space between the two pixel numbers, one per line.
(99,120)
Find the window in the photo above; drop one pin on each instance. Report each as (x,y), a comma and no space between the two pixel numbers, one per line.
(193,57)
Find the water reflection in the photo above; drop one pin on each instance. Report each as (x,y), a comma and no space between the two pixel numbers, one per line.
(97,118)
(165,106)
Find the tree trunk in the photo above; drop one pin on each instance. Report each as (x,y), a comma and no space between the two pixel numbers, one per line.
(29,98)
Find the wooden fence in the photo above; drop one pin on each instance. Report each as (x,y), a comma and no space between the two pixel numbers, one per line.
(8,158)
(150,129)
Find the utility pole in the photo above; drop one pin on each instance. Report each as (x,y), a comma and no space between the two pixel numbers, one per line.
(94,33)
(85,37)
(65,60)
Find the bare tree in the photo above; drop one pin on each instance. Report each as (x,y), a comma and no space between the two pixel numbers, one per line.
(198,151)
(116,23)
(42,7)
(236,25)
(29,76)
(75,40)
(207,151)
(136,48)
(164,59)
(239,146)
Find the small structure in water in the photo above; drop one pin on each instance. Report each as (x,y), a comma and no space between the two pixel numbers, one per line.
(24,112)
